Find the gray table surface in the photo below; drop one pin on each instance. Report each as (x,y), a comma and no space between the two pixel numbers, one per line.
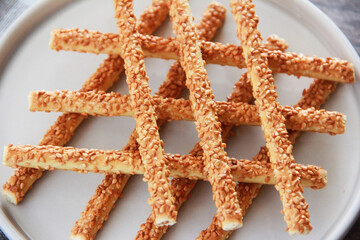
(345,13)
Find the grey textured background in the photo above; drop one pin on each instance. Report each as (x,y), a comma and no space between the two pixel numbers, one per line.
(345,14)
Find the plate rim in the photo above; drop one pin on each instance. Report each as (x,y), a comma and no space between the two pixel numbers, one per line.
(351,212)
(9,41)
(39,11)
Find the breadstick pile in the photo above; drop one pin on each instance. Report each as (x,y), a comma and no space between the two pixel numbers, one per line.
(171,177)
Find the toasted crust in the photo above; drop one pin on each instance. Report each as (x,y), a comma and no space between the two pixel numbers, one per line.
(295,209)
(332,69)
(152,17)
(207,125)
(150,145)
(99,206)
(129,162)
(175,81)
(114,104)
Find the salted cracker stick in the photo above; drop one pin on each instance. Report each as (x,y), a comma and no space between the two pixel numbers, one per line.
(129,162)
(115,104)
(288,184)
(84,40)
(150,145)
(207,124)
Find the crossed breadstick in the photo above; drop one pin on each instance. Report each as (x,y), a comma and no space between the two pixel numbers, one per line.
(150,146)
(287,177)
(114,104)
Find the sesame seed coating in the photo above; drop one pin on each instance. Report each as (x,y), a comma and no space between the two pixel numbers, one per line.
(288,184)
(129,162)
(332,69)
(114,104)
(150,145)
(63,129)
(99,206)
(245,195)
(152,17)
(274,42)
(19,183)
(207,125)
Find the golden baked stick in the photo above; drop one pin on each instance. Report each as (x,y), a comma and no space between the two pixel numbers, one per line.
(332,69)
(181,187)
(129,162)
(314,96)
(152,17)
(288,184)
(99,206)
(207,124)
(242,92)
(114,104)
(150,145)
(101,203)
(60,133)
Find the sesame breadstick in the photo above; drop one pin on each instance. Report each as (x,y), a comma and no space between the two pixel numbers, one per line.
(61,132)
(314,96)
(152,17)
(295,209)
(244,194)
(150,145)
(114,104)
(99,206)
(332,69)
(129,162)
(242,92)
(101,203)
(181,187)
(207,124)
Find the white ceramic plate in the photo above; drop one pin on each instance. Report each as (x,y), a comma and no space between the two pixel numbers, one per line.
(56,201)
